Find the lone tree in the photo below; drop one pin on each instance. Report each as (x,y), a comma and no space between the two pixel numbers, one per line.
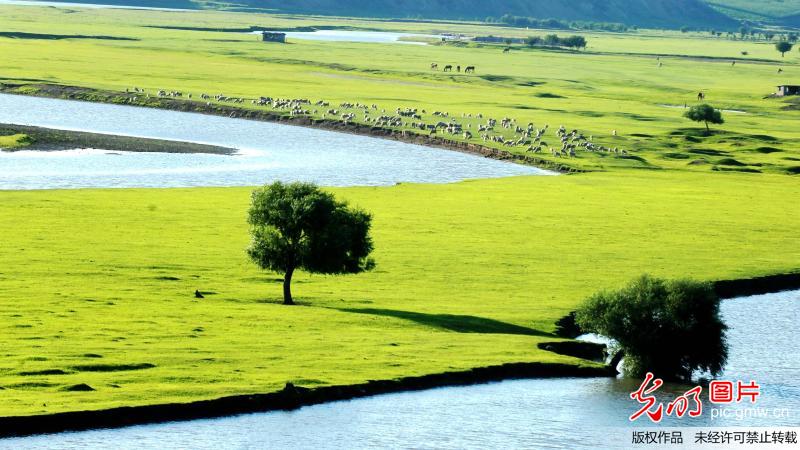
(704,113)
(783,47)
(299,226)
(670,328)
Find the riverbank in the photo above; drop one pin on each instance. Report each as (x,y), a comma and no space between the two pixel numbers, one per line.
(48,139)
(293,397)
(507,414)
(767,284)
(231,111)
(289,398)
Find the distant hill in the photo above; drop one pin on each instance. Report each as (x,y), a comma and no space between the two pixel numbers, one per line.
(757,9)
(791,21)
(642,13)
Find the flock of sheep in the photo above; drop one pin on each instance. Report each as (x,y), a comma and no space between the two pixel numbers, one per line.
(506,132)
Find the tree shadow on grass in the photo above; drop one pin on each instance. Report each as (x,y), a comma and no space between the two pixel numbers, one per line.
(453,322)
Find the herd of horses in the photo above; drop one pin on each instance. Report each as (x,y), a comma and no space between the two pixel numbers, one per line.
(449,68)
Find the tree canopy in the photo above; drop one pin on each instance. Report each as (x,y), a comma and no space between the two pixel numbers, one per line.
(299,226)
(783,47)
(553,40)
(670,328)
(704,113)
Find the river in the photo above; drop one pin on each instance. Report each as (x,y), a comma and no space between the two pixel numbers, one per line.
(66,4)
(563,413)
(375,37)
(268,152)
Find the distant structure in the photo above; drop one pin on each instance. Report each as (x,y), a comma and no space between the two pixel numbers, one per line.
(788,89)
(271,36)
(454,37)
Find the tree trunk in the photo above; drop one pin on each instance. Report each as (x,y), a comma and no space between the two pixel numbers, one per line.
(616,359)
(287,287)
(707,129)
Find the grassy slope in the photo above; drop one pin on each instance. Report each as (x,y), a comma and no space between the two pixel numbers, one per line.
(650,13)
(91,272)
(763,8)
(616,85)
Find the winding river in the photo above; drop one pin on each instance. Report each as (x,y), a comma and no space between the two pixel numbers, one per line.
(65,4)
(563,413)
(267,152)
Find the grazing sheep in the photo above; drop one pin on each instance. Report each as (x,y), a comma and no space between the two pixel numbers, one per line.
(528,137)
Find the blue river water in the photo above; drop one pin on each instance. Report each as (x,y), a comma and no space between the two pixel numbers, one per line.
(267,152)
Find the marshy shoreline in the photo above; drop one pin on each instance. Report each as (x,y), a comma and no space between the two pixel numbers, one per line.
(193,106)
(48,139)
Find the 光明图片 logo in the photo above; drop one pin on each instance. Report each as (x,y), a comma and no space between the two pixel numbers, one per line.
(690,403)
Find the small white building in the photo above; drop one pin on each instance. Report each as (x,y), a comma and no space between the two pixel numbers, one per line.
(788,89)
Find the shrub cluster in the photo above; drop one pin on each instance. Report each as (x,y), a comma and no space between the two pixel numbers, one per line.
(670,328)
(553,40)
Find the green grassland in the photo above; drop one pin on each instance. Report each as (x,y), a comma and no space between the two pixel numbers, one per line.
(615,85)
(469,274)
(96,286)
(14,141)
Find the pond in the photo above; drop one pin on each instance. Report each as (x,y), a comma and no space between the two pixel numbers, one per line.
(267,152)
(382,37)
(564,413)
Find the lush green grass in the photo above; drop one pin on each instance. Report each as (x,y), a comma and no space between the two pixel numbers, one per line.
(615,85)
(96,281)
(14,141)
(469,274)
